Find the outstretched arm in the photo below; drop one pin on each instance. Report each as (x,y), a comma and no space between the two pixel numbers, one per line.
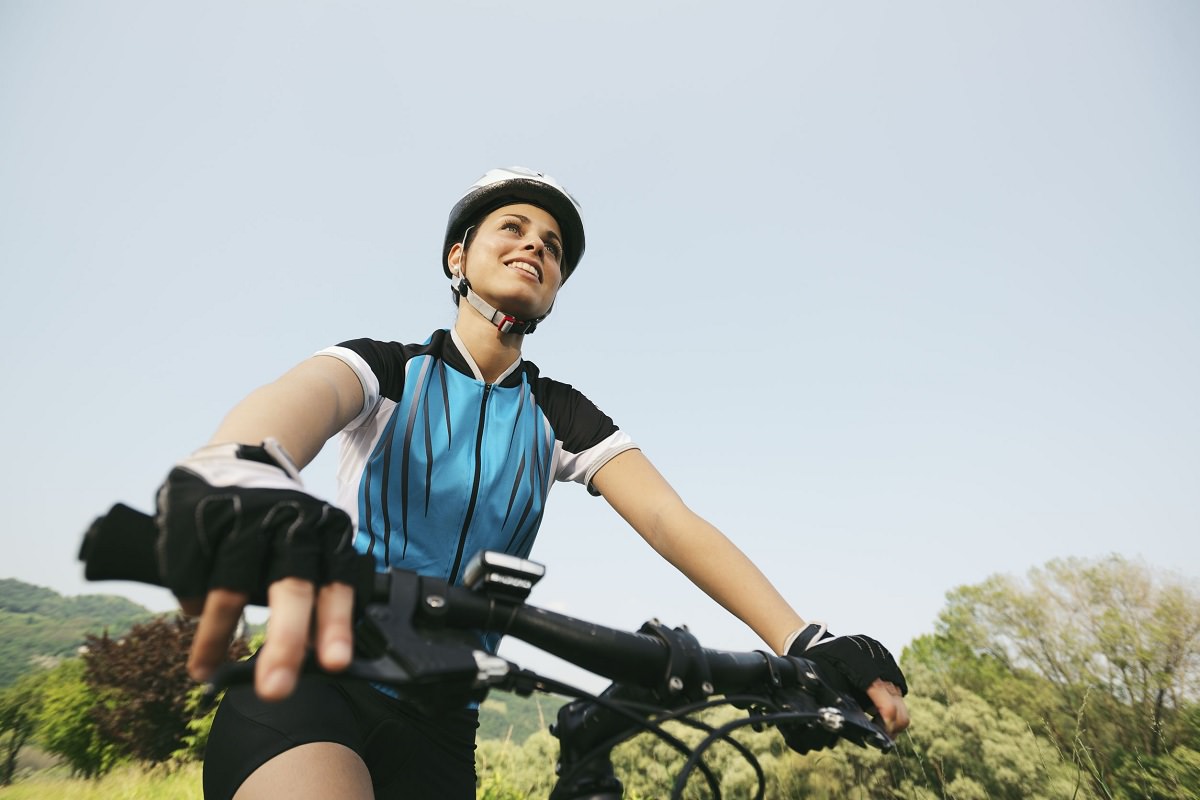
(642,496)
(302,409)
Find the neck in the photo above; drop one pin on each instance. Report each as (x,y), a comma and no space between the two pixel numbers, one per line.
(493,351)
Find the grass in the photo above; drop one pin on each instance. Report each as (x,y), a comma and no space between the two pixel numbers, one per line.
(124,783)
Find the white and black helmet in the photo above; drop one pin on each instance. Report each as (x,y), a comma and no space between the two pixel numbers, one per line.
(501,187)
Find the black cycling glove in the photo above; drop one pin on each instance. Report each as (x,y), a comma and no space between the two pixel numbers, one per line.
(237,517)
(848,663)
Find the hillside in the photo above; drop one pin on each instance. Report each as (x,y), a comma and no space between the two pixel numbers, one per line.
(507,716)
(39,626)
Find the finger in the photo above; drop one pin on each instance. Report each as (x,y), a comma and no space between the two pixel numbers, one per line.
(335,608)
(222,610)
(279,661)
(893,712)
(900,717)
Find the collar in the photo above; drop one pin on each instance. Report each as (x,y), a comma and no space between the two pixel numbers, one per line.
(462,358)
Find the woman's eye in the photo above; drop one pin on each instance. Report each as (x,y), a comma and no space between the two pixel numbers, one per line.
(511,226)
(554,250)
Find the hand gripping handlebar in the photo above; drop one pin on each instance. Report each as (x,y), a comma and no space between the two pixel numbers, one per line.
(422,636)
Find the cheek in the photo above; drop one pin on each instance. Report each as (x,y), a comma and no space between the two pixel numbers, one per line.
(553,298)
(477,255)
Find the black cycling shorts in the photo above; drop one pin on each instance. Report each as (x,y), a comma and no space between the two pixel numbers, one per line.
(410,753)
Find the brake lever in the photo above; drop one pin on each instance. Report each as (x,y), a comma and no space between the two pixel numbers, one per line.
(841,709)
(854,725)
(827,714)
(441,668)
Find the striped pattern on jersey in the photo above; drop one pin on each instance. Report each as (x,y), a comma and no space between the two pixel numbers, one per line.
(440,464)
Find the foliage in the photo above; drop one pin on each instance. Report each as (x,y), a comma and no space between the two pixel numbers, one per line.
(1080,683)
(18,597)
(200,716)
(517,718)
(649,766)
(65,724)
(961,749)
(509,770)
(149,699)
(194,740)
(1103,656)
(965,748)
(19,708)
(39,627)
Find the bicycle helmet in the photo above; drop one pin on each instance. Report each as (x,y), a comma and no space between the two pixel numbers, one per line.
(501,187)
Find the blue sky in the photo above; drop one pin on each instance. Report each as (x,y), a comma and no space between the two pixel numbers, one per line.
(899,295)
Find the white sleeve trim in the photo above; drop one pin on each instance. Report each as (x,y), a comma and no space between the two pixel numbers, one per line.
(613,446)
(582,467)
(366,377)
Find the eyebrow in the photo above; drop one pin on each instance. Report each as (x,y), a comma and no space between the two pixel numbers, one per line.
(528,221)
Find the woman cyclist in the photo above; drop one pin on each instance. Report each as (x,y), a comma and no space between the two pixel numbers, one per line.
(448,447)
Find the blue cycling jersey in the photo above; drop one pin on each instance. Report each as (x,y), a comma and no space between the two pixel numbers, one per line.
(440,465)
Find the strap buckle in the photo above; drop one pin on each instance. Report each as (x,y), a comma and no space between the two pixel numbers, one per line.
(510,324)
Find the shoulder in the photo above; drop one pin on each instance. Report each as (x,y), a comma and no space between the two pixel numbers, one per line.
(577,421)
(547,389)
(380,365)
(376,352)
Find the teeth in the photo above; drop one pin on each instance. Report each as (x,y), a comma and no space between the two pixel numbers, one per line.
(523,266)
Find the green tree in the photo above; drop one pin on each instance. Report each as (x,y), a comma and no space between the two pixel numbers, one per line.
(512,770)
(1104,656)
(200,715)
(1077,684)
(19,707)
(65,723)
(964,748)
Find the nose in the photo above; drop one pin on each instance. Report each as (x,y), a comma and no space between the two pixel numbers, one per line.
(534,243)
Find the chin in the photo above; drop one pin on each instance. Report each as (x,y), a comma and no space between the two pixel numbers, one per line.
(521,308)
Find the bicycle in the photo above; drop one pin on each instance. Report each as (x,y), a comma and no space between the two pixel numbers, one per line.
(420,636)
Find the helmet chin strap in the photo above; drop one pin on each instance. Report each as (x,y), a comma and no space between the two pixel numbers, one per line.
(505,323)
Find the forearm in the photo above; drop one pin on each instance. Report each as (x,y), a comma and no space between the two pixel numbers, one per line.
(641,495)
(302,409)
(716,565)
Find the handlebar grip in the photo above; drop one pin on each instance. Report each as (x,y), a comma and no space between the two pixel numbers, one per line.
(122,545)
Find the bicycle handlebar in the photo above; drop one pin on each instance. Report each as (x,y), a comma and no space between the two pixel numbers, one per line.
(421,635)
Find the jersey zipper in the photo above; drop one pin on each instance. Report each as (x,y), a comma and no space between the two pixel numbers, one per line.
(462,537)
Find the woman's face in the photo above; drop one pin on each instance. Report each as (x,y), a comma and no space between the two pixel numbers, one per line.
(514,261)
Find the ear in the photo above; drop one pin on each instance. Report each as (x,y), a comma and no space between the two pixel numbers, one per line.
(454,259)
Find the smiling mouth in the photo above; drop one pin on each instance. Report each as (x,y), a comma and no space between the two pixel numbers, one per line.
(526,267)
